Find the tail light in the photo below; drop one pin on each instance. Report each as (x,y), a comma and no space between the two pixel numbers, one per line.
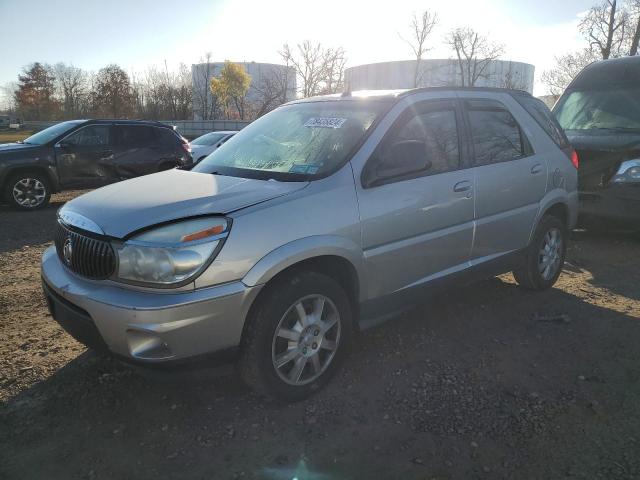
(575,160)
(185,145)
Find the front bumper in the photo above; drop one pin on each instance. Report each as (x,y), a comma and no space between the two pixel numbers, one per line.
(144,326)
(618,204)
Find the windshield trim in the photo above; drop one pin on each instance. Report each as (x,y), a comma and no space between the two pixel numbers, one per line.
(303,177)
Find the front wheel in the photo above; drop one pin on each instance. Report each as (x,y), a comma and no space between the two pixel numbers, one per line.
(296,336)
(28,191)
(544,256)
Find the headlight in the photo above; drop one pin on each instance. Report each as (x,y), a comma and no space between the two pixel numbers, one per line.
(171,254)
(629,172)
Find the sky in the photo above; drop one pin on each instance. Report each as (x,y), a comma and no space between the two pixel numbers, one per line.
(138,33)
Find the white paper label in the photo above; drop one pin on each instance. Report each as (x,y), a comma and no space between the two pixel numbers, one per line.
(325,122)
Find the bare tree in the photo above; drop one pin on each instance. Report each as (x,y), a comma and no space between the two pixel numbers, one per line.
(205,103)
(474,53)
(308,64)
(421,28)
(567,67)
(334,61)
(634,7)
(605,26)
(320,69)
(71,85)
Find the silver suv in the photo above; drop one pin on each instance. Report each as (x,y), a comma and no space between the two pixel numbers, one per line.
(320,219)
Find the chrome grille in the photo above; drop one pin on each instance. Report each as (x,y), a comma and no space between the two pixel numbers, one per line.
(86,256)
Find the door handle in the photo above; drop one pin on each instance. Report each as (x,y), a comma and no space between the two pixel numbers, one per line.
(463,186)
(537,168)
(106,153)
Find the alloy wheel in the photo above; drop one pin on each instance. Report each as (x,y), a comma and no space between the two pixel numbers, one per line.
(550,254)
(29,192)
(306,340)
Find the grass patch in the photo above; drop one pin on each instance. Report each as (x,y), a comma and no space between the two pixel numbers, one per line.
(8,136)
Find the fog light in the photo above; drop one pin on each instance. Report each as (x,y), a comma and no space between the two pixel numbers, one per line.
(147,345)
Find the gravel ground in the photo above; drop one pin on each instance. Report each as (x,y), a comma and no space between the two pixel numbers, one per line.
(489,381)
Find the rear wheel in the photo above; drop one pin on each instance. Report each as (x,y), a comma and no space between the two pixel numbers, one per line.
(545,255)
(28,191)
(296,336)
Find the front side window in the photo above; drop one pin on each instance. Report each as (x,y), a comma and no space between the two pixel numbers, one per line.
(495,134)
(295,142)
(94,135)
(615,109)
(438,130)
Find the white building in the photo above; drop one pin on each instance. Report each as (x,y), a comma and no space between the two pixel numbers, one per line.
(436,73)
(264,76)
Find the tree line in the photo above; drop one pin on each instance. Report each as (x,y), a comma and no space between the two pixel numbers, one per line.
(611,29)
(63,91)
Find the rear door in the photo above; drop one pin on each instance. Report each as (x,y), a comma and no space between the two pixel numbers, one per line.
(138,150)
(84,157)
(419,227)
(510,179)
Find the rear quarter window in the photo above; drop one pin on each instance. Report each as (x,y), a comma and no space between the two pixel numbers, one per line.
(167,137)
(543,116)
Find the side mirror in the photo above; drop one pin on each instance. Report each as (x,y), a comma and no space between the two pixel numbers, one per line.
(64,144)
(403,158)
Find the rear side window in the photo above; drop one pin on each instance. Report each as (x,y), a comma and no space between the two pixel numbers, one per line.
(496,136)
(167,137)
(541,114)
(136,136)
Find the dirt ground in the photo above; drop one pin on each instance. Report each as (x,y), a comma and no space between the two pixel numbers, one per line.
(489,381)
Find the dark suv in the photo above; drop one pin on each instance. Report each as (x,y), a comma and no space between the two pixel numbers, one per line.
(600,112)
(86,154)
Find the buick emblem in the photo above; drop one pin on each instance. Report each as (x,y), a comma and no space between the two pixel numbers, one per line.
(67,251)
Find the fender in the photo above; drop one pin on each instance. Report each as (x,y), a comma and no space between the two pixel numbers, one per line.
(553,197)
(304,249)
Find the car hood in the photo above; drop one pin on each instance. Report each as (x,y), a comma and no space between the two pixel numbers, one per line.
(125,207)
(10,147)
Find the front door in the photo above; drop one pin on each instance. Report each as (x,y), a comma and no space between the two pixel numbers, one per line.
(419,226)
(84,157)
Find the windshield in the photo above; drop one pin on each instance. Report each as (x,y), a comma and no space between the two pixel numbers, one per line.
(295,142)
(48,134)
(209,139)
(600,109)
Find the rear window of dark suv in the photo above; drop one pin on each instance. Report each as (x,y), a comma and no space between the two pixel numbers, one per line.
(168,137)
(541,114)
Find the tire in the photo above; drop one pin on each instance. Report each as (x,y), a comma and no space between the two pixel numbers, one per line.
(532,275)
(276,309)
(37,190)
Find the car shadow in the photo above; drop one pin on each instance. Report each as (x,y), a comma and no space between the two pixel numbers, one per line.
(499,343)
(587,253)
(30,228)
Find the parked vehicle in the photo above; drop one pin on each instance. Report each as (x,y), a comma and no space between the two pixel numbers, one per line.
(86,154)
(600,112)
(321,218)
(207,143)
(10,121)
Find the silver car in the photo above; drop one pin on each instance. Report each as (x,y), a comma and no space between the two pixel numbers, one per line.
(320,219)
(209,142)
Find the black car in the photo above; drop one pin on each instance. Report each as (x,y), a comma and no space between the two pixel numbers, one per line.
(600,112)
(86,154)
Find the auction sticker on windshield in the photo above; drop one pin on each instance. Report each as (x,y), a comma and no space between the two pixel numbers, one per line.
(325,122)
